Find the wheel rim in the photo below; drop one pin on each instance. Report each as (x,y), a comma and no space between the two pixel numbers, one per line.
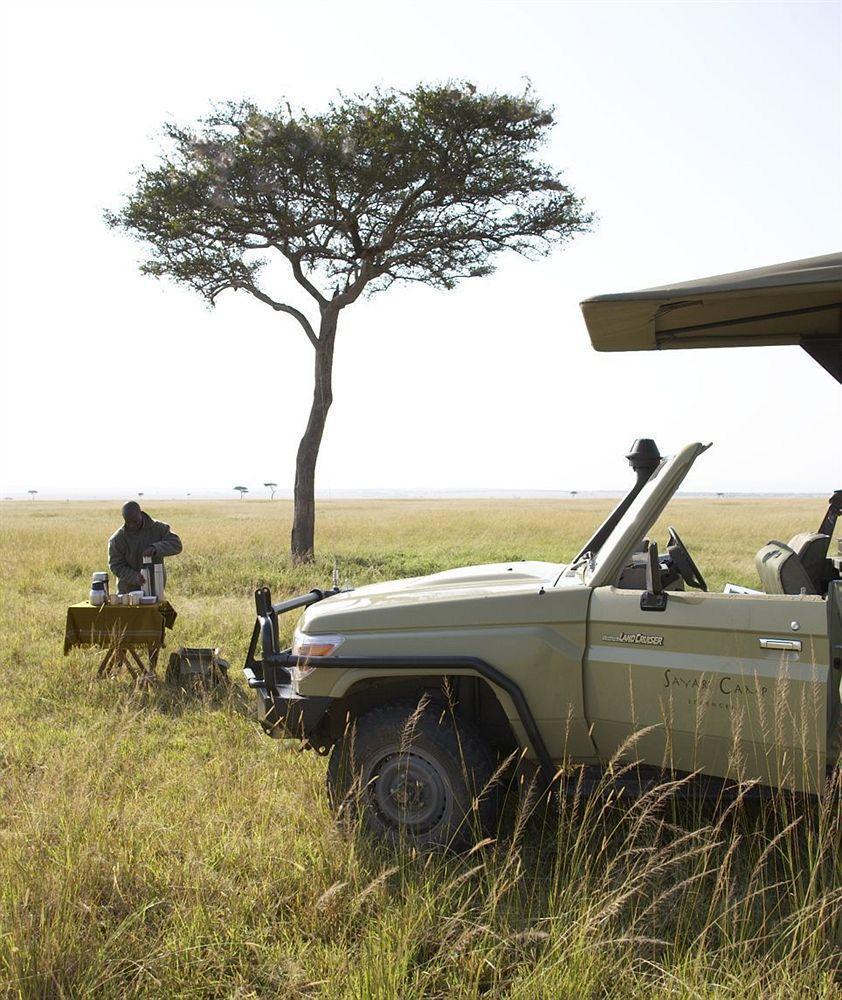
(409,791)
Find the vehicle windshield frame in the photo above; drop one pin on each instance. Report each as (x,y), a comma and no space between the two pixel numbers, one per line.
(600,568)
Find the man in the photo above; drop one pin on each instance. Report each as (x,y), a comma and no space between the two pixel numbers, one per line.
(140,536)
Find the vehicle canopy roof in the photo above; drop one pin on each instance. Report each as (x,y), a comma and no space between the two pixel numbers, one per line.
(795,303)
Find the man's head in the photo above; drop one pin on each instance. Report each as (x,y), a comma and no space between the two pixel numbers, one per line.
(132,515)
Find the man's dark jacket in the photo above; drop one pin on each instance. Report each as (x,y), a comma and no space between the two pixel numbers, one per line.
(126,548)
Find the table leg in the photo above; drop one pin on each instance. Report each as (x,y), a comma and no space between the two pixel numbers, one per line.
(128,655)
(147,671)
(122,656)
(136,658)
(106,663)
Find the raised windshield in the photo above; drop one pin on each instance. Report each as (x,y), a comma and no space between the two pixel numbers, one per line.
(603,567)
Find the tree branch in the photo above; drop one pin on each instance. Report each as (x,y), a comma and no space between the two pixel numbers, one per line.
(305,283)
(353,289)
(281,307)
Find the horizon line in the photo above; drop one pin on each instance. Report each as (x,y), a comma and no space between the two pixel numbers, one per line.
(52,496)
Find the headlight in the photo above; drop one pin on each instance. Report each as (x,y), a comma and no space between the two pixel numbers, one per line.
(308,647)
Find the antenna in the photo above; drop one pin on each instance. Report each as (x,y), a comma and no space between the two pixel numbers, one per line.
(335,573)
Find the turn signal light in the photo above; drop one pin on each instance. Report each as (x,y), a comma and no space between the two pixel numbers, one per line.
(307,646)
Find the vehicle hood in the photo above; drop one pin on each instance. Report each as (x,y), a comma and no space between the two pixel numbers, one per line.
(465,594)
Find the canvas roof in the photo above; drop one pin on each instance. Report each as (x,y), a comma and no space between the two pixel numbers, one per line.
(795,303)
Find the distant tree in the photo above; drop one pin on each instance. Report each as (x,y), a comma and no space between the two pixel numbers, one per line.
(422,186)
(32,494)
(720,495)
(271,487)
(574,493)
(140,494)
(242,490)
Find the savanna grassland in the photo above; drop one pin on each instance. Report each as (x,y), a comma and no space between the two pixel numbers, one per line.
(157,844)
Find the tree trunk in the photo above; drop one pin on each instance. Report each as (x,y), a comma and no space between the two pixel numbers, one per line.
(304,508)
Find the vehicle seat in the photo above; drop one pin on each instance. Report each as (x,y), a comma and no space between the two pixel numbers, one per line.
(811,548)
(781,571)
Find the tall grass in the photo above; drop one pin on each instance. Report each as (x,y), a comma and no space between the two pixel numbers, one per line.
(156,844)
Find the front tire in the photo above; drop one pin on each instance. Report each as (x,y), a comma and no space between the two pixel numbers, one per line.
(407,773)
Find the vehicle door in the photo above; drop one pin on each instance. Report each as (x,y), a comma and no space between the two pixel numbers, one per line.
(733,685)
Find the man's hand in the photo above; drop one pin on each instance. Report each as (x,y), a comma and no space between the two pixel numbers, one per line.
(150,551)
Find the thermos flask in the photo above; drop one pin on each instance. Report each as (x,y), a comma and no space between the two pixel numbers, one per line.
(147,576)
(99,589)
(153,578)
(158,571)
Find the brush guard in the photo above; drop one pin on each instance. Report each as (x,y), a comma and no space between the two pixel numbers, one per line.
(282,711)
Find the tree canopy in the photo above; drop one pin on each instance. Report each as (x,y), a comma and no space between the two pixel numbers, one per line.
(427,185)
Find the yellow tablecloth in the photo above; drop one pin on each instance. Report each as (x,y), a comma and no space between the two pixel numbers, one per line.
(117,625)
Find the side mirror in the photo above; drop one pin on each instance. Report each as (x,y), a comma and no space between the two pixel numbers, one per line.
(654,598)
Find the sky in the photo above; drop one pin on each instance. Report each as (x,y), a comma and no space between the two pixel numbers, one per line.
(706,137)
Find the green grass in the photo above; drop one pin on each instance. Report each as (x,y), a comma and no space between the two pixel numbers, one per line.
(154,844)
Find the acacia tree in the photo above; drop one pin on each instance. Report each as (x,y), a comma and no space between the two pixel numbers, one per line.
(426,186)
(242,490)
(271,487)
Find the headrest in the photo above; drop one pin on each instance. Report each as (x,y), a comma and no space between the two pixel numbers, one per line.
(811,547)
(781,571)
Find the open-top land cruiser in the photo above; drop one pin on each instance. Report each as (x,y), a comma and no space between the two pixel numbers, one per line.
(419,688)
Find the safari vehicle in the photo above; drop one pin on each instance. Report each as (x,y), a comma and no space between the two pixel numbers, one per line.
(418,688)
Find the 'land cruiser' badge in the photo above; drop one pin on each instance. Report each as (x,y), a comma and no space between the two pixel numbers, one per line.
(637,638)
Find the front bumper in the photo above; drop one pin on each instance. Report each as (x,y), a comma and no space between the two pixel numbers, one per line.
(285,714)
